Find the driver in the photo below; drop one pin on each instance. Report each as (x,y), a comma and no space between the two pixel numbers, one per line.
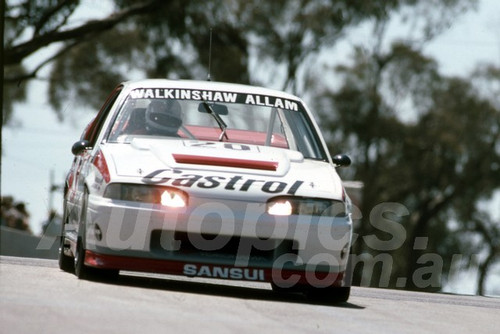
(163,118)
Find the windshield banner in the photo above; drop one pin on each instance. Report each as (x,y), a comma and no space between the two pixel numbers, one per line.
(214,96)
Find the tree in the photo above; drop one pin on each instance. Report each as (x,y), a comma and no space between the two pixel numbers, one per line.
(171,38)
(418,138)
(488,231)
(439,164)
(168,43)
(47,23)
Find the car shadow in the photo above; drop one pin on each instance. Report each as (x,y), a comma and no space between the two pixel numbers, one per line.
(215,288)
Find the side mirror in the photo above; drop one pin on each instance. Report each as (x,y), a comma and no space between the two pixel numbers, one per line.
(341,160)
(80,146)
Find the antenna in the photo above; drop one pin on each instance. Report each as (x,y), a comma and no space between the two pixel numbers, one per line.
(209,55)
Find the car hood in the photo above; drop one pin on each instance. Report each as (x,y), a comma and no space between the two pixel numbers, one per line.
(218,167)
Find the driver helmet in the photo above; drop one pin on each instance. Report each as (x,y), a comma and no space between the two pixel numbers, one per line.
(163,117)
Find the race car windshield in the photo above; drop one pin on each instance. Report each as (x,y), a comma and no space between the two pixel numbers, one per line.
(278,124)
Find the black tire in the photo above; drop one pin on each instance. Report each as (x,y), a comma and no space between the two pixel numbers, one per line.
(89,273)
(330,295)
(66,263)
(81,270)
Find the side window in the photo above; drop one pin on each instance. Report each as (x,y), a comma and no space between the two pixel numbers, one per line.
(306,137)
(93,129)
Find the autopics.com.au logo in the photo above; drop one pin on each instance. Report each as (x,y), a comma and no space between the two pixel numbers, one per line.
(248,235)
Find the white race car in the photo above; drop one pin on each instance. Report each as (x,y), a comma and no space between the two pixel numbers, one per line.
(207,179)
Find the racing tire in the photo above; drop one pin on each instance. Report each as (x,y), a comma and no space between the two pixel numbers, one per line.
(329,295)
(85,272)
(81,270)
(66,263)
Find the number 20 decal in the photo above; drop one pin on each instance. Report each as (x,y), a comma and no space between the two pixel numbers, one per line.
(237,147)
(228,146)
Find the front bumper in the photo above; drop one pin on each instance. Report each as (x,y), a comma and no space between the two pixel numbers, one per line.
(226,239)
(280,276)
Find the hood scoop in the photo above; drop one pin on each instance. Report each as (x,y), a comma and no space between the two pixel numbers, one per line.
(225,162)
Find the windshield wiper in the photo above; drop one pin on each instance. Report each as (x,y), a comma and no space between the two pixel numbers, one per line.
(218,119)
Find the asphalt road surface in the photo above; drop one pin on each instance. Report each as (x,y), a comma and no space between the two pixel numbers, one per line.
(36,297)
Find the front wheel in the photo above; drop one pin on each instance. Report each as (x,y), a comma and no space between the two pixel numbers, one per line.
(90,273)
(81,270)
(65,261)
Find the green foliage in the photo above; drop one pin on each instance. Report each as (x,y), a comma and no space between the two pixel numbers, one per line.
(439,165)
(89,71)
(171,39)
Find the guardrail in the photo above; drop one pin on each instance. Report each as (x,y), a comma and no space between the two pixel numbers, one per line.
(15,242)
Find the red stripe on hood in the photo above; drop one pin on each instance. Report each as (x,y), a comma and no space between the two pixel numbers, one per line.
(225,162)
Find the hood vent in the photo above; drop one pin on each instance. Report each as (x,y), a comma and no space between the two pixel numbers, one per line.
(225,162)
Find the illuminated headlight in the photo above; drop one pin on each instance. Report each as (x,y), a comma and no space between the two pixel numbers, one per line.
(285,206)
(173,198)
(167,196)
(280,208)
